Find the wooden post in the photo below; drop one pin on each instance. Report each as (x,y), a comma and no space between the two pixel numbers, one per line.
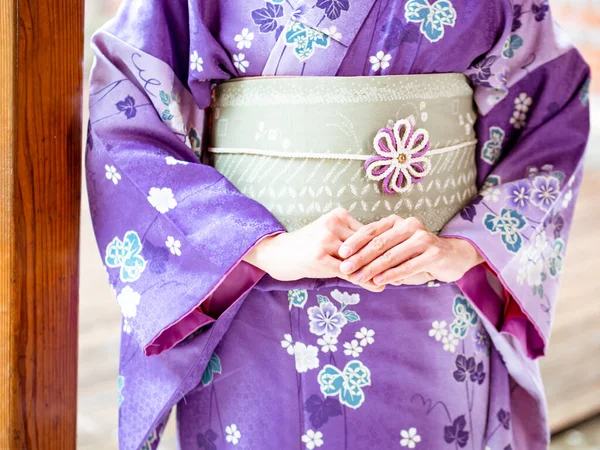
(41,52)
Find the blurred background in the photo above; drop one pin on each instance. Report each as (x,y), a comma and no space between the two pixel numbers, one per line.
(571,370)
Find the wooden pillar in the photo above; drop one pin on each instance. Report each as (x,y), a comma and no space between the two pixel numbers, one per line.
(41,52)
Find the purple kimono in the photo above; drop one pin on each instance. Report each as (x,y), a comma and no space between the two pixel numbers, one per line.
(255,363)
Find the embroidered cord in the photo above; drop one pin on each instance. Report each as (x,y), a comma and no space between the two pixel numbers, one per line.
(285,154)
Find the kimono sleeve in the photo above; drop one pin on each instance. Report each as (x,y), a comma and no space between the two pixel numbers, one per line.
(531,92)
(171,230)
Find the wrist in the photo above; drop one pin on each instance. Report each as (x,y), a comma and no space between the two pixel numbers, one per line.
(258,255)
(469,254)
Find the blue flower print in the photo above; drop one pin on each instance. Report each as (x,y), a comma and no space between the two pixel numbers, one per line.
(519,195)
(492,180)
(305,39)
(322,409)
(297,298)
(540,11)
(213,367)
(470,211)
(545,191)
(456,432)
(512,43)
(266,17)
(464,367)
(504,418)
(508,224)
(333,8)
(207,440)
(397,33)
(481,70)
(120,387)
(555,261)
(347,384)
(127,106)
(325,319)
(465,317)
(493,147)
(432,18)
(299,12)
(125,255)
(479,375)
(482,340)
(517,13)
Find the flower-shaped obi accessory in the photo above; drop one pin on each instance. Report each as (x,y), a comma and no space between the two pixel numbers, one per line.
(400,158)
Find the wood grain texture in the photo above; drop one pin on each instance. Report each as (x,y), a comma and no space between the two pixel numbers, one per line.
(41,171)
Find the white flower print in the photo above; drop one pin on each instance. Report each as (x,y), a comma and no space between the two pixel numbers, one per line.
(491,194)
(531,271)
(438,330)
(174,245)
(352,348)
(173,162)
(128,300)
(196,62)
(365,336)
(244,40)
(327,343)
(380,61)
(126,327)
(450,343)
(345,298)
(162,199)
(409,438)
(306,357)
(240,62)
(567,199)
(522,104)
(312,439)
(333,32)
(112,174)
(288,344)
(233,434)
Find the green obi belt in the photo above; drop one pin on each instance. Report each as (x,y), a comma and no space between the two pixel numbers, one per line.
(376,146)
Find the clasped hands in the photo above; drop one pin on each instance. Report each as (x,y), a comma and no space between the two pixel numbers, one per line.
(392,250)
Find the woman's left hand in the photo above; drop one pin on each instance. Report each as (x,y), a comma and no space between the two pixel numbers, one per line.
(401,251)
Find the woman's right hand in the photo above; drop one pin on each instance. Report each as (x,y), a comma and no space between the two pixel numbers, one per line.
(310,252)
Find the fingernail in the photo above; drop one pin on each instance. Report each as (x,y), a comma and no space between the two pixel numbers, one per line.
(344,251)
(346,267)
(378,279)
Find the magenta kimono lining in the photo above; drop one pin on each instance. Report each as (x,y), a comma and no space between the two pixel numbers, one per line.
(251,362)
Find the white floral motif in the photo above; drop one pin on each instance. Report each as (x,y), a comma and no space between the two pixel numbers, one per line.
(345,298)
(288,344)
(519,117)
(306,357)
(126,327)
(128,301)
(438,330)
(380,61)
(327,343)
(112,174)
(365,336)
(233,434)
(244,40)
(196,62)
(312,439)
(450,343)
(162,199)
(567,199)
(352,348)
(333,32)
(174,245)
(491,194)
(171,161)
(409,438)
(240,62)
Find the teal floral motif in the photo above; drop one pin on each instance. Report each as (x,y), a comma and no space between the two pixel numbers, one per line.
(584,93)
(492,148)
(194,142)
(125,255)
(432,18)
(120,386)
(151,440)
(297,298)
(555,260)
(346,384)
(512,43)
(508,224)
(492,180)
(305,40)
(465,317)
(214,366)
(172,112)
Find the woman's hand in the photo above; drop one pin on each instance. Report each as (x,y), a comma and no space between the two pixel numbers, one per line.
(401,251)
(310,252)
